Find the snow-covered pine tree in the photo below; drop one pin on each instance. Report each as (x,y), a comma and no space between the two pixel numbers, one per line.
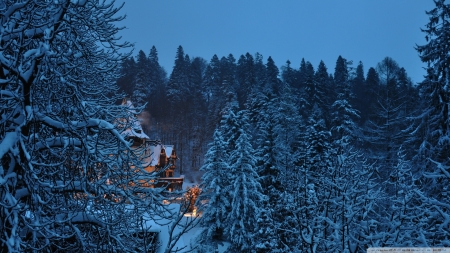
(246,193)
(319,151)
(314,174)
(214,201)
(324,94)
(267,164)
(288,129)
(229,126)
(432,130)
(266,235)
(345,129)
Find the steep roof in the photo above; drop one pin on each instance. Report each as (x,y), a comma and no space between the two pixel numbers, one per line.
(136,129)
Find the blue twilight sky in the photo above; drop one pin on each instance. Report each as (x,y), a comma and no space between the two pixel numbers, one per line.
(359,30)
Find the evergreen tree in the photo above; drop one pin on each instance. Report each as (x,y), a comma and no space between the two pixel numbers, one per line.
(229,83)
(157,90)
(432,131)
(267,163)
(260,70)
(358,88)
(229,126)
(371,91)
(178,84)
(301,75)
(272,79)
(246,194)
(289,126)
(342,77)
(142,83)
(245,75)
(345,131)
(319,151)
(212,81)
(324,91)
(215,190)
(197,112)
(311,94)
(289,75)
(127,76)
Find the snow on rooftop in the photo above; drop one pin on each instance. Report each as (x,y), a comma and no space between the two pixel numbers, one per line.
(169,149)
(136,129)
(139,134)
(155,151)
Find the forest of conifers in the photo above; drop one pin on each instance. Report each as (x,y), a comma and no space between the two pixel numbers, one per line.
(186,107)
(327,158)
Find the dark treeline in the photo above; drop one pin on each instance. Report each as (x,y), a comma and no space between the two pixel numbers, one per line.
(308,158)
(187,106)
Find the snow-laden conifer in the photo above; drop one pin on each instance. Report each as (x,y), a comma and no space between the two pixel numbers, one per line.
(246,194)
(216,191)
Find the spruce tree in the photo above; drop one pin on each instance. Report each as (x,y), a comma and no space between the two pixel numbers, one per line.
(127,76)
(324,91)
(272,79)
(433,123)
(358,89)
(345,130)
(246,194)
(312,95)
(245,75)
(289,75)
(178,84)
(157,90)
(141,82)
(216,190)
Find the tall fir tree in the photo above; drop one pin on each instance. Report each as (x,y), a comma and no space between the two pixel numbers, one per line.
(433,124)
(158,78)
(345,130)
(127,76)
(311,93)
(272,77)
(246,194)
(245,74)
(178,84)
(358,89)
(324,91)
(142,83)
(216,191)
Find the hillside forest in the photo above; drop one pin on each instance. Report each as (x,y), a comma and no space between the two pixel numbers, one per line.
(326,158)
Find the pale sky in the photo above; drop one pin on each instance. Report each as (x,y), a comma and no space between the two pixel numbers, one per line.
(359,30)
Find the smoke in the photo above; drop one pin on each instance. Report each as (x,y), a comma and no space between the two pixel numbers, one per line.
(144,119)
